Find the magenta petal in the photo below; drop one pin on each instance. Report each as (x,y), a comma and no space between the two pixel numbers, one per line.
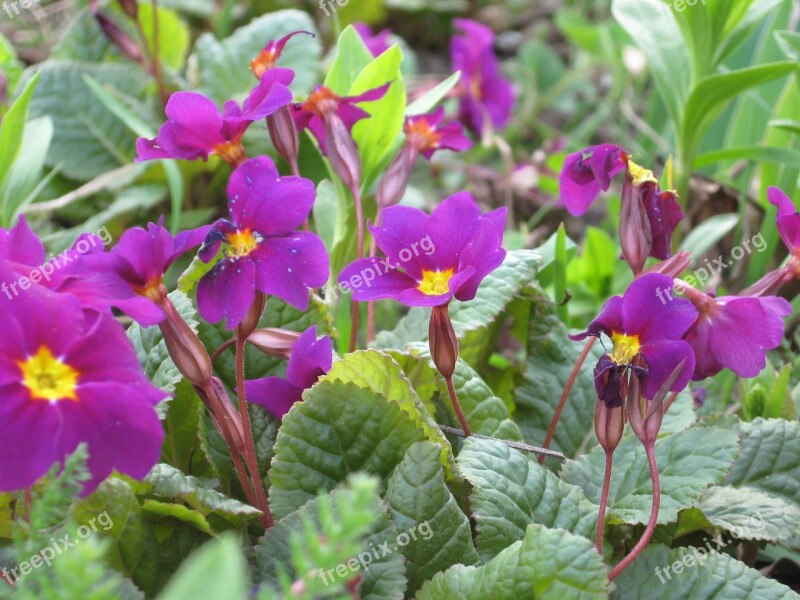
(148,149)
(647,310)
(788,218)
(21,245)
(706,362)
(453,225)
(369,280)
(404,226)
(273,393)
(608,321)
(483,255)
(370,95)
(310,359)
(269,95)
(662,358)
(587,173)
(227,291)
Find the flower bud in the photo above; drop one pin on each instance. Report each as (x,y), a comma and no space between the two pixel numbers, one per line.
(673,266)
(184,347)
(274,341)
(119,37)
(609,423)
(283,132)
(250,321)
(634,227)
(342,151)
(395,180)
(443,341)
(130,8)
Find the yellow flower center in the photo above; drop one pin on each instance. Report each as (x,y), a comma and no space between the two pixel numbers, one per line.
(625,348)
(242,242)
(640,175)
(422,136)
(435,283)
(231,152)
(48,378)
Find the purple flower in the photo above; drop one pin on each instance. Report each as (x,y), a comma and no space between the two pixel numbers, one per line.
(444,255)
(68,376)
(486,96)
(268,57)
(130,277)
(21,245)
(323,105)
(588,173)
(194,129)
(427,134)
(310,359)
(788,219)
(263,252)
(376,43)
(734,332)
(647,336)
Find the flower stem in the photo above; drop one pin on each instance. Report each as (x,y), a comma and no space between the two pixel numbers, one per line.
(373,250)
(249,444)
(551,431)
(457,405)
(601,514)
(354,311)
(669,402)
(651,524)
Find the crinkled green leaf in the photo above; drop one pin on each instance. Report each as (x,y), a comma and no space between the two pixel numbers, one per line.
(547,564)
(720,577)
(420,502)
(510,490)
(688,462)
(178,511)
(338,429)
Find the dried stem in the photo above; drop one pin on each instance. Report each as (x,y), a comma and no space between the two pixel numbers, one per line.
(565,394)
(509,443)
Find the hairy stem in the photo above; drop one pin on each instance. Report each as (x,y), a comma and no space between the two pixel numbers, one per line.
(651,524)
(551,431)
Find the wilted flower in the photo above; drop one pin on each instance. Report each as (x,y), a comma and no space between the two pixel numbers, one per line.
(70,376)
(486,96)
(194,129)
(376,43)
(734,332)
(263,252)
(310,359)
(643,328)
(467,247)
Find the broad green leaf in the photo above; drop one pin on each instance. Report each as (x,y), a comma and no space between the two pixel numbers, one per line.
(594,268)
(180,512)
(12,127)
(223,67)
(217,570)
(428,101)
(114,512)
(316,447)
(551,357)
(688,462)
(737,33)
(351,58)
(752,515)
(88,139)
(547,564)
(789,42)
(420,502)
(709,232)
(511,490)
(701,575)
(379,372)
(24,180)
(173,35)
(769,458)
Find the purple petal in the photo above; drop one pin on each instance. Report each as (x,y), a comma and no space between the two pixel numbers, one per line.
(453,225)
(370,95)
(227,291)
(664,214)
(273,393)
(21,245)
(608,321)
(648,312)
(484,254)
(662,358)
(788,218)
(310,359)
(369,280)
(269,95)
(587,173)
(404,226)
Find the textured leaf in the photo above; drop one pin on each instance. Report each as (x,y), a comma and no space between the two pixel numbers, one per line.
(547,564)
(688,462)
(223,66)
(719,578)
(88,139)
(510,490)
(173,35)
(178,511)
(337,430)
(420,503)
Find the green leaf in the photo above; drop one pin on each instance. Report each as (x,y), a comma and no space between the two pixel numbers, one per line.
(12,128)
(351,58)
(316,448)
(173,35)
(379,372)
(752,515)
(688,462)
(223,66)
(24,180)
(712,576)
(84,41)
(182,448)
(789,43)
(778,156)
(10,64)
(420,503)
(180,512)
(709,232)
(551,357)
(510,490)
(88,139)
(217,570)
(428,101)
(547,563)
(560,278)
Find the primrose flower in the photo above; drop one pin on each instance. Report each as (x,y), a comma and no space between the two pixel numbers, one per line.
(425,134)
(486,96)
(734,332)
(194,129)
(268,57)
(647,335)
(69,376)
(788,222)
(262,250)
(310,359)
(465,247)
(376,43)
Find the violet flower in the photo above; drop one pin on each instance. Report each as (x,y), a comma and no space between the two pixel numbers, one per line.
(310,359)
(486,96)
(647,335)
(194,129)
(69,376)
(263,252)
(460,245)
(376,43)
(267,59)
